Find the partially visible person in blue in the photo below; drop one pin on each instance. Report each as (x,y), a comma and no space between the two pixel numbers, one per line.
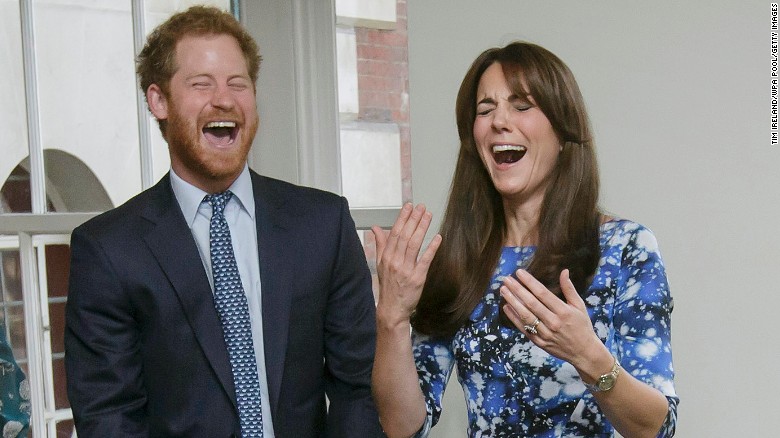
(556,314)
(14,393)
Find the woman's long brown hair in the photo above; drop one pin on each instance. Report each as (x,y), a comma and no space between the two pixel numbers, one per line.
(473,228)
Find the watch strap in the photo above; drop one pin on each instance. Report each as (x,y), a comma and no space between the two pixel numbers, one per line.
(610,376)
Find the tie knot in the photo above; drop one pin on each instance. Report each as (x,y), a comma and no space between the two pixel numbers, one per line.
(218,201)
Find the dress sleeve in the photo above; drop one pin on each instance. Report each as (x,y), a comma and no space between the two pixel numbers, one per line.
(434,360)
(15,404)
(642,320)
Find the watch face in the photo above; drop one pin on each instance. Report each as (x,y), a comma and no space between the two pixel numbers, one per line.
(606,382)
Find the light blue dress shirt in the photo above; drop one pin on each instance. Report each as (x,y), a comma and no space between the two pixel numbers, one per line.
(240,215)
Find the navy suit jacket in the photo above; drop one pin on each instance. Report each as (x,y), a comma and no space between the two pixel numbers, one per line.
(145,355)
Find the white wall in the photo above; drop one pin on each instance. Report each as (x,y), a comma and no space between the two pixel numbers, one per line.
(679,96)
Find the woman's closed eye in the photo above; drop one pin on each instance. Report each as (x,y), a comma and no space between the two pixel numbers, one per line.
(520,104)
(484,110)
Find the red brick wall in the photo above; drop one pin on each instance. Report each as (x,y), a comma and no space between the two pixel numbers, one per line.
(383,84)
(383,90)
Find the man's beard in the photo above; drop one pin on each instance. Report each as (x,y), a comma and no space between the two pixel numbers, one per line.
(185,143)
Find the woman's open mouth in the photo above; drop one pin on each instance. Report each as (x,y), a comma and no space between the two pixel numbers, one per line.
(508,153)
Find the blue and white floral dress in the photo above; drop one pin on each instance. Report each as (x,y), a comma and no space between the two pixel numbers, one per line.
(514,388)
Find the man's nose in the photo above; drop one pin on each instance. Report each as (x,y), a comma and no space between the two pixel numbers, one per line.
(222,98)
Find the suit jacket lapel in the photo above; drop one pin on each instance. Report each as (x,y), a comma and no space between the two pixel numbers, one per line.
(173,246)
(276,273)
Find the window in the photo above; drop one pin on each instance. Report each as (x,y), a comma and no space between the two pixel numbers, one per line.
(77,140)
(375,153)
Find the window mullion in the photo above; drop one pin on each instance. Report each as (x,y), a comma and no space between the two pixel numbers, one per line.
(144,136)
(51,223)
(37,175)
(365,218)
(235,9)
(39,245)
(33,330)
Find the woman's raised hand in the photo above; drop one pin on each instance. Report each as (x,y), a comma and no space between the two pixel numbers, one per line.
(401,273)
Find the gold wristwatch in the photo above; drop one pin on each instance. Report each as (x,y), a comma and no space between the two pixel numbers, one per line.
(606,381)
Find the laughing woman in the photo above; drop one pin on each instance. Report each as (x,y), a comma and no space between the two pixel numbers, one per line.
(556,315)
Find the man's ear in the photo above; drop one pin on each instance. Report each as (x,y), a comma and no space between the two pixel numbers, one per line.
(158,103)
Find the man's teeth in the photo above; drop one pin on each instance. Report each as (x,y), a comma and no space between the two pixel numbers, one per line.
(221,125)
(507,147)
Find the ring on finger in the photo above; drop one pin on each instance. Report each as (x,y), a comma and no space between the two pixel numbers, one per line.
(532,327)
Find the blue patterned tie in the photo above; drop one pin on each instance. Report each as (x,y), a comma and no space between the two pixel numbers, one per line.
(231,304)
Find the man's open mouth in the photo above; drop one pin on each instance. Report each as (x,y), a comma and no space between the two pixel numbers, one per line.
(220,133)
(508,153)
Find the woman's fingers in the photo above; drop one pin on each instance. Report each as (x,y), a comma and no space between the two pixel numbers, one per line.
(398,226)
(388,241)
(399,249)
(570,293)
(522,317)
(522,290)
(425,261)
(418,233)
(407,232)
(380,239)
(541,292)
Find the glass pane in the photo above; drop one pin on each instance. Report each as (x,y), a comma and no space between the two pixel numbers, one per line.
(17,337)
(157,11)
(71,185)
(57,268)
(373,91)
(65,429)
(57,271)
(86,87)
(15,182)
(15,196)
(60,390)
(12,315)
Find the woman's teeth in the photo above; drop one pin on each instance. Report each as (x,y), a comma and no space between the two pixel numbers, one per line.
(508,153)
(507,147)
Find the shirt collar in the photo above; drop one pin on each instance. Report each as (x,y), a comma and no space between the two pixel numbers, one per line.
(190,197)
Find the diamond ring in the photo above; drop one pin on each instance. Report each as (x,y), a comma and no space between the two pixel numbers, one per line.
(532,328)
